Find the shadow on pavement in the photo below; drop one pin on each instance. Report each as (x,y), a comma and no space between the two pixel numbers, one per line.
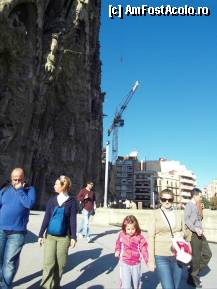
(79,257)
(104,264)
(29,278)
(73,260)
(35,285)
(96,287)
(104,234)
(149,280)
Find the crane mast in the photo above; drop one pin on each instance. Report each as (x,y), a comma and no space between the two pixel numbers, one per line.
(118,121)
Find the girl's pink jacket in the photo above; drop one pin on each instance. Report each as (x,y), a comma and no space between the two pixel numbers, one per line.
(131,249)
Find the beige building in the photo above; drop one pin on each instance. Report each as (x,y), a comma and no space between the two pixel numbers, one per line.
(175,176)
(169,180)
(143,180)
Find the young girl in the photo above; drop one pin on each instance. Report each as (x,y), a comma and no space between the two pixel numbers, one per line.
(131,246)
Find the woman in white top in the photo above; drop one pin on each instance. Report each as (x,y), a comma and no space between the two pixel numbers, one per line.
(161,254)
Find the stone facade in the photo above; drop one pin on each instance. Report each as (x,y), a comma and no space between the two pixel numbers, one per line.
(50,97)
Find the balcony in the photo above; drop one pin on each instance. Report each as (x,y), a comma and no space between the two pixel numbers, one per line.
(186,187)
(185,179)
(185,194)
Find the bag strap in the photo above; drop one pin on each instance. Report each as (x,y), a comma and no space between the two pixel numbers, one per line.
(168,223)
(54,211)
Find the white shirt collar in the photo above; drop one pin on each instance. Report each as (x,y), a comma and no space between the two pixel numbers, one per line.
(62,197)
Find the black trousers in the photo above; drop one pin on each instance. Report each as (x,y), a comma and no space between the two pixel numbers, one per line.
(201,254)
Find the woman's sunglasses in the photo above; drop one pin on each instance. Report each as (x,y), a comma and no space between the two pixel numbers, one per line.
(170,200)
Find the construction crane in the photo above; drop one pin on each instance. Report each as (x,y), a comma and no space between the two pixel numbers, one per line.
(118,121)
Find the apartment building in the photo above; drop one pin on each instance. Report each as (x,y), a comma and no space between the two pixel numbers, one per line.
(124,171)
(175,176)
(145,188)
(211,189)
(142,181)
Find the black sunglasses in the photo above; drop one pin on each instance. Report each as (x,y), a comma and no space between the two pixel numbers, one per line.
(170,200)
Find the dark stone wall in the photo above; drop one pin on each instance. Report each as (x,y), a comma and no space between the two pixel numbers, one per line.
(50,97)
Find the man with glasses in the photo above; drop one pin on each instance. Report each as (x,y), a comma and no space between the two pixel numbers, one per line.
(201,252)
(16,200)
(87,198)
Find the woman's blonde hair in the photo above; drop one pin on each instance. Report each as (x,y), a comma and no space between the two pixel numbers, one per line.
(65,183)
(167,191)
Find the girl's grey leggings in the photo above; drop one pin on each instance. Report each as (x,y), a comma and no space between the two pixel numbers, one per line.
(130,274)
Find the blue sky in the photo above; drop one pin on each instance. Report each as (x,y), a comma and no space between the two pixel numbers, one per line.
(173,113)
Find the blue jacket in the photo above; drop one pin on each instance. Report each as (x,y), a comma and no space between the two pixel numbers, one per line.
(15,206)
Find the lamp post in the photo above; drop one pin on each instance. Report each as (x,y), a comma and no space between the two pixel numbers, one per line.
(106,175)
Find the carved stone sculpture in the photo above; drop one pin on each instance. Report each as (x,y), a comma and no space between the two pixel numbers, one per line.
(50,97)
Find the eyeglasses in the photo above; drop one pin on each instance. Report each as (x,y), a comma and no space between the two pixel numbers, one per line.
(170,200)
(17,180)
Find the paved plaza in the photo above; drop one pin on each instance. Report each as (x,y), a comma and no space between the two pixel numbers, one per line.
(91,265)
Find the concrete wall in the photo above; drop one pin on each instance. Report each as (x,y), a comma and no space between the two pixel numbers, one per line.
(106,216)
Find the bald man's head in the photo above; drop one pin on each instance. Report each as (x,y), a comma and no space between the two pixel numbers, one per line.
(17,177)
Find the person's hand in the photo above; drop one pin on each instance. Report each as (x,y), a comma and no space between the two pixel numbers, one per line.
(72,243)
(40,241)
(86,196)
(117,254)
(151,268)
(199,231)
(18,185)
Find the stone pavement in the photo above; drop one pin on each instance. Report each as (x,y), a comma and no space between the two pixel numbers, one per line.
(91,265)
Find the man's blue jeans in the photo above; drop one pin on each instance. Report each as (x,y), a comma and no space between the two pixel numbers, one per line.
(84,225)
(169,272)
(10,248)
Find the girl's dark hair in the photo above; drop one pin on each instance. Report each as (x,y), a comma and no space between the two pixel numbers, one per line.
(131,220)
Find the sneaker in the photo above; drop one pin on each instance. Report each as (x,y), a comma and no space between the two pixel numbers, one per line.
(88,240)
(80,236)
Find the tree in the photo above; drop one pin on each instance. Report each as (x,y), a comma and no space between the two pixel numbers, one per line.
(205,202)
(213,203)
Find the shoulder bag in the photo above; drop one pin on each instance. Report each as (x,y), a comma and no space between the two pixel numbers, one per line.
(182,249)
